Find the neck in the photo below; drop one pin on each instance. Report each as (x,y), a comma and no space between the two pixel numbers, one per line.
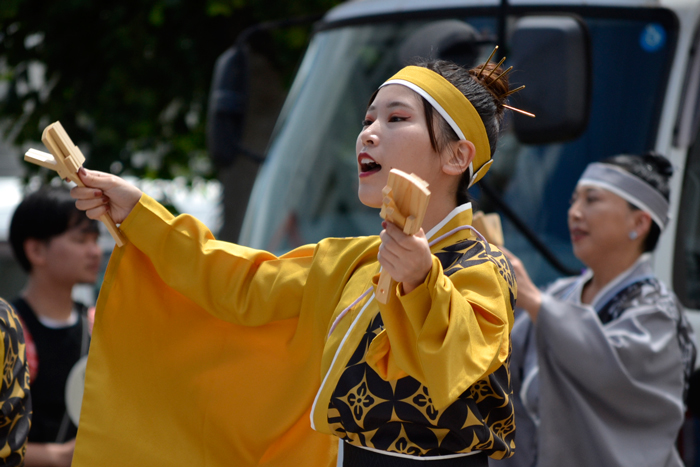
(606,272)
(48,299)
(436,212)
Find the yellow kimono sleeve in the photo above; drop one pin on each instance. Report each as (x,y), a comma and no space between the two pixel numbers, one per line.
(447,333)
(168,384)
(234,283)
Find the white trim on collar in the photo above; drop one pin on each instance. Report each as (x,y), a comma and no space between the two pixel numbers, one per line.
(588,275)
(458,210)
(618,280)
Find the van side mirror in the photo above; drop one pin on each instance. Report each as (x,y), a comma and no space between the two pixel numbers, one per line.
(551,55)
(228,98)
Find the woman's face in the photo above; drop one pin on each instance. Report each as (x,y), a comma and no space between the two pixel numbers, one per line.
(600,223)
(394,135)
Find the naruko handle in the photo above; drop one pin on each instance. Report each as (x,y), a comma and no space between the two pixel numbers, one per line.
(107,220)
(117,235)
(385,286)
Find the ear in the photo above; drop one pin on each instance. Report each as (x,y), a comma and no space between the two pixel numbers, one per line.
(642,223)
(461,155)
(36,251)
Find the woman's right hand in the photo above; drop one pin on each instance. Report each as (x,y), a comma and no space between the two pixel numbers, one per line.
(104,193)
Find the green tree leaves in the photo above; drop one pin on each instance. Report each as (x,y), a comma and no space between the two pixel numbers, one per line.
(129,79)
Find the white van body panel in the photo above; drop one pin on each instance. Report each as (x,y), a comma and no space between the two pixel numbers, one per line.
(363,8)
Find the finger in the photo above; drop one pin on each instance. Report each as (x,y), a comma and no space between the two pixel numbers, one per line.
(390,255)
(389,244)
(85,193)
(393,229)
(97,212)
(95,179)
(386,259)
(404,239)
(398,236)
(385,237)
(385,246)
(87,204)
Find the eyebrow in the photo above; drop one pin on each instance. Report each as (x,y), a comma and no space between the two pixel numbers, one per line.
(587,189)
(392,105)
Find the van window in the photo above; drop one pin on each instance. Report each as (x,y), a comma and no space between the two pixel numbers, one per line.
(686,274)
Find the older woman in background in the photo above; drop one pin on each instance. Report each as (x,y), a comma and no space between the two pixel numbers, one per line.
(601,361)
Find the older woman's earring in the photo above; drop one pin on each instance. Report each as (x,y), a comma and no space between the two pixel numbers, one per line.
(633,235)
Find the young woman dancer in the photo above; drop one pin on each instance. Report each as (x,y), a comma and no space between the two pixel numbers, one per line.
(424,376)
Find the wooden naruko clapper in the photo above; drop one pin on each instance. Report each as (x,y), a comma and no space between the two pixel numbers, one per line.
(66,158)
(405,203)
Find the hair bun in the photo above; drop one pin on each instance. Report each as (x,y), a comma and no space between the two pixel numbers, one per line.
(658,163)
(495,80)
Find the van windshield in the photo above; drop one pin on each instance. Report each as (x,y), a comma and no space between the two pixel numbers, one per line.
(307,188)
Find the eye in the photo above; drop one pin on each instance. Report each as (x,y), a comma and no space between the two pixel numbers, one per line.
(80,239)
(397,118)
(366,122)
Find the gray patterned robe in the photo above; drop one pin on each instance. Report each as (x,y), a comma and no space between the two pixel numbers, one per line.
(601,384)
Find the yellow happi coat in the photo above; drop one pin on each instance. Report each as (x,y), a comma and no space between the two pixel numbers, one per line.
(210,353)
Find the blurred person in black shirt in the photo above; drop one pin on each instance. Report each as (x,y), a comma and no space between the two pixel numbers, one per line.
(57,246)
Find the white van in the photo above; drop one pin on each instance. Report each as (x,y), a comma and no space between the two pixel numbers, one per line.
(603,76)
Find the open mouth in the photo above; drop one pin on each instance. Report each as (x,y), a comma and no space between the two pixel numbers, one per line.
(577,234)
(368,165)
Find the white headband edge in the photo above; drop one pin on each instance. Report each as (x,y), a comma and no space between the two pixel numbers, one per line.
(624,195)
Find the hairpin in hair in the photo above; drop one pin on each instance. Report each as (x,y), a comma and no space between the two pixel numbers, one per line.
(513,91)
(501,75)
(519,111)
(486,62)
(496,68)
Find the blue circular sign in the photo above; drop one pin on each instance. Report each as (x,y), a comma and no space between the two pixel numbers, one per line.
(653,37)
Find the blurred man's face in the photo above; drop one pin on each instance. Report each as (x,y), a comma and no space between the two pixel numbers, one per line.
(74,257)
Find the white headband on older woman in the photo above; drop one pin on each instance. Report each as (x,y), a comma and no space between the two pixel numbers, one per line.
(629,187)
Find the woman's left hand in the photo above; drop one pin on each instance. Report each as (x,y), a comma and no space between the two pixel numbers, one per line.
(406,258)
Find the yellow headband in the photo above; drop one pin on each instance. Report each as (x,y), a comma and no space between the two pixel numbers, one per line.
(456,109)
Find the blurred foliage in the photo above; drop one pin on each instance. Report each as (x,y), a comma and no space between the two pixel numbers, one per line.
(129,79)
